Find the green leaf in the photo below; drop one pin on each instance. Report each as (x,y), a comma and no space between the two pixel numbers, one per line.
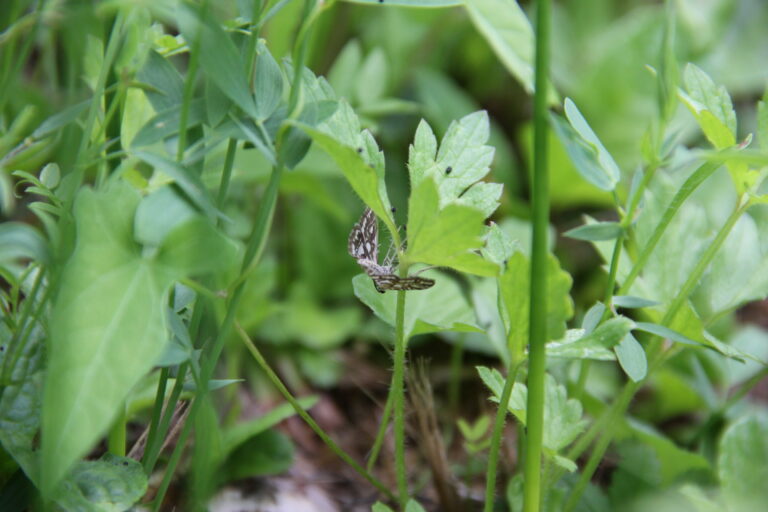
(462,160)
(343,73)
(20,399)
(495,382)
(242,431)
(372,77)
(188,181)
(444,307)
(631,302)
(267,453)
(59,120)
(410,3)
(499,245)
(380,507)
(102,342)
(598,344)
(591,158)
(219,57)
(111,484)
(762,121)
(447,237)
(413,506)
(18,241)
(743,463)
(268,82)
(707,96)
(667,333)
(515,284)
(507,30)
(358,156)
(158,214)
(166,123)
(597,231)
(562,416)
(632,358)
(166,87)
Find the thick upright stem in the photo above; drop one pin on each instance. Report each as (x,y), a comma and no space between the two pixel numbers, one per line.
(538,298)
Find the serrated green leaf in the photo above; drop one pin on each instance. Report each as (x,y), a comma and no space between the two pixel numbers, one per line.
(456,167)
(598,344)
(598,231)
(515,284)
(632,358)
(441,308)
(358,156)
(507,30)
(219,57)
(743,463)
(517,399)
(562,416)
(447,237)
(714,99)
(98,349)
(499,245)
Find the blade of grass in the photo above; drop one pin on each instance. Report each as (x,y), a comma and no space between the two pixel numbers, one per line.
(494,451)
(335,448)
(538,292)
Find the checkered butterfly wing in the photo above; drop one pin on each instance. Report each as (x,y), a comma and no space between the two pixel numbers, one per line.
(363,243)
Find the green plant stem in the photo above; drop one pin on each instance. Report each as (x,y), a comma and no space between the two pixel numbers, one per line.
(378,442)
(275,380)
(157,412)
(189,87)
(113,45)
(152,451)
(619,407)
(256,242)
(398,399)
(226,173)
(538,292)
(691,184)
(116,437)
(494,451)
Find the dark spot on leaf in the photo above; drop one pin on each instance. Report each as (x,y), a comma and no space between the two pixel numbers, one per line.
(448,170)
(125,463)
(359,150)
(393,209)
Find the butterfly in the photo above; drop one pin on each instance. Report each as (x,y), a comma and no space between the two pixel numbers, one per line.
(363,245)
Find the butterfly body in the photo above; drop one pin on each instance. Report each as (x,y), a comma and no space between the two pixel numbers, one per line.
(363,245)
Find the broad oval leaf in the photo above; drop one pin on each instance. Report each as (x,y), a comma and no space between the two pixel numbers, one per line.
(107,329)
(632,358)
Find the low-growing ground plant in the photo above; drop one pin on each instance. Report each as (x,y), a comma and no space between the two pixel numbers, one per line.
(213,211)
